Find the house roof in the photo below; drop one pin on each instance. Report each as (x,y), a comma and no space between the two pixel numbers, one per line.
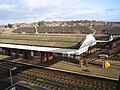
(57,29)
(24,29)
(46,40)
(112,30)
(103,37)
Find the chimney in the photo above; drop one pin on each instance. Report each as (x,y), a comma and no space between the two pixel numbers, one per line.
(36,30)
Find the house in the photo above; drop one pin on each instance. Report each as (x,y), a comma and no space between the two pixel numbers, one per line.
(57,29)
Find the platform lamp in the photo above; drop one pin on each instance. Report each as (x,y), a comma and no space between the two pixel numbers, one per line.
(12,69)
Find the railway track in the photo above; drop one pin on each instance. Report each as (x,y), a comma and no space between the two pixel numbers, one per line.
(56,80)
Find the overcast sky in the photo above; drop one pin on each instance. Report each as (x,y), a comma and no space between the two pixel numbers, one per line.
(17,11)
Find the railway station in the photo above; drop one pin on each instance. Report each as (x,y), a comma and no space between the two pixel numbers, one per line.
(60,60)
(60,45)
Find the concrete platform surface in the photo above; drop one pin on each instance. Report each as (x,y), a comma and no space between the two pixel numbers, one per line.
(92,69)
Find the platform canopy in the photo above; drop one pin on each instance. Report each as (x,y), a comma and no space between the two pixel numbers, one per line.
(66,44)
(71,41)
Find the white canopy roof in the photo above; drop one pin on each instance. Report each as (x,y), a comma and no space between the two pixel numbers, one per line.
(36,48)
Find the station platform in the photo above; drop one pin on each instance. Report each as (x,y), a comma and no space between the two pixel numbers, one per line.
(92,69)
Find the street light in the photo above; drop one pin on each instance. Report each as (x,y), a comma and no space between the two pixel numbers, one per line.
(12,69)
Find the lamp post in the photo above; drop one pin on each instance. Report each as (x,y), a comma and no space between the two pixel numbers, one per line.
(12,69)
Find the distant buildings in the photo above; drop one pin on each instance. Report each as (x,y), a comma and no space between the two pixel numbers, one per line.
(57,29)
(66,27)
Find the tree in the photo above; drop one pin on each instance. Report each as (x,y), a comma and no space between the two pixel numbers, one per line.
(41,23)
(9,26)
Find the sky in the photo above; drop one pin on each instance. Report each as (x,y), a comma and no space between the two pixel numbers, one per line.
(27,11)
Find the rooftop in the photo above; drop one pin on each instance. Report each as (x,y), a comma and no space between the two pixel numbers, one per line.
(113,30)
(57,29)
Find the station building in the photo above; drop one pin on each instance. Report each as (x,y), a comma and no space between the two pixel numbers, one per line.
(45,47)
(45,43)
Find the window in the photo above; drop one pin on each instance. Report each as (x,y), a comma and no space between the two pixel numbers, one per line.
(36,53)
